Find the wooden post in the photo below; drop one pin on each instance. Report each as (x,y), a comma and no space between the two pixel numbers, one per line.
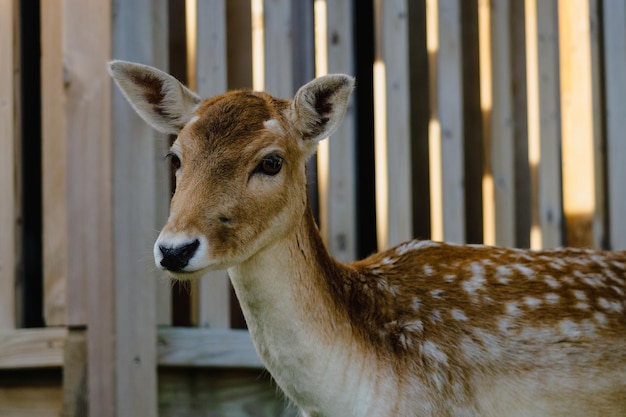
(580,123)
(615,68)
(135,164)
(278,35)
(501,152)
(54,165)
(544,122)
(391,123)
(90,275)
(335,158)
(450,114)
(211,299)
(8,168)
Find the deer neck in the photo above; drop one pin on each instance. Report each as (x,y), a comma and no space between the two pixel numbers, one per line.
(302,335)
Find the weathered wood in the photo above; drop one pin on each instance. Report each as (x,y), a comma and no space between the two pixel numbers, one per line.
(32,393)
(450,114)
(32,348)
(544,121)
(75,401)
(54,165)
(232,393)
(335,157)
(135,165)
(615,68)
(502,146)
(210,296)
(8,168)
(578,131)
(239,43)
(179,346)
(277,26)
(391,123)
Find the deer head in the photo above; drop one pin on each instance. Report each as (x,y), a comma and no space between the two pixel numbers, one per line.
(239,160)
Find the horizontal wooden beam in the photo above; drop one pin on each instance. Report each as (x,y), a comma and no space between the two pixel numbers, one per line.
(32,348)
(206,348)
(177,346)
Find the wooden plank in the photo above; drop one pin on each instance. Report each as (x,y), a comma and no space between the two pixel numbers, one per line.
(210,298)
(90,286)
(32,348)
(615,68)
(75,401)
(578,130)
(32,393)
(8,168)
(278,48)
(54,166)
(239,41)
(502,126)
(450,113)
(544,121)
(232,393)
(178,346)
(135,166)
(392,124)
(336,156)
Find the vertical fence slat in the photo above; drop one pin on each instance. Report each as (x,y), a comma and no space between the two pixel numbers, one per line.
(336,160)
(615,68)
(212,298)
(578,123)
(135,166)
(90,286)
(450,112)
(544,122)
(392,124)
(501,145)
(8,169)
(54,166)
(278,38)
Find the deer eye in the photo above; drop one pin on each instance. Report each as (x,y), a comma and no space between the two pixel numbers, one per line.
(175,160)
(270,165)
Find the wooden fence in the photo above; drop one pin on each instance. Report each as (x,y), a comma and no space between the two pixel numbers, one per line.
(496,122)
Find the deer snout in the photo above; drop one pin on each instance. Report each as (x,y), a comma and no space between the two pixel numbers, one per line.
(177,253)
(175,259)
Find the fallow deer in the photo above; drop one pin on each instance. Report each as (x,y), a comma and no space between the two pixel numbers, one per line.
(422,329)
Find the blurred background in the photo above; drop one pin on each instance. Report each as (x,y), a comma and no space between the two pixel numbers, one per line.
(494,122)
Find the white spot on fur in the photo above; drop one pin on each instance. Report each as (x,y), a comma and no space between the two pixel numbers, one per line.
(414,245)
(552,298)
(582,306)
(477,281)
(435,317)
(436,293)
(617,290)
(458,314)
(580,295)
(524,270)
(552,283)
(414,326)
(415,303)
(619,265)
(600,318)
(432,351)
(532,302)
(512,309)
(504,274)
(569,328)
(273,125)
(449,277)
(613,306)
(428,270)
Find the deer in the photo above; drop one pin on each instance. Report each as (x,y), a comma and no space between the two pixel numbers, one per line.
(424,328)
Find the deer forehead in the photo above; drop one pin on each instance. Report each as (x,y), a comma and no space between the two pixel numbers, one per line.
(238,124)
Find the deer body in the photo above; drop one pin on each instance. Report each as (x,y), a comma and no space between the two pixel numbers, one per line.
(423,329)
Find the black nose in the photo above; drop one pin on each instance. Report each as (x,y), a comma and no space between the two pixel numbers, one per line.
(175,259)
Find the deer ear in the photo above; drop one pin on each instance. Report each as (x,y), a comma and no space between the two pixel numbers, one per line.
(319,106)
(160,99)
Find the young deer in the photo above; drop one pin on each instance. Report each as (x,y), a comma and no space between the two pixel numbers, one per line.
(422,329)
